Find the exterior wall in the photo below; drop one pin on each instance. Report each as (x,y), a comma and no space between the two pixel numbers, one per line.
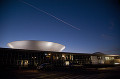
(98,59)
(28,58)
(94,59)
(82,59)
(109,60)
(117,61)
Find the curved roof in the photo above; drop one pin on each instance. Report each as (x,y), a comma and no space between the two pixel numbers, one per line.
(36,45)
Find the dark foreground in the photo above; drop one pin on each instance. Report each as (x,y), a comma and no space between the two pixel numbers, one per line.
(90,73)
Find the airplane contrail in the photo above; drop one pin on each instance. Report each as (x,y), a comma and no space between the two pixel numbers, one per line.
(50,15)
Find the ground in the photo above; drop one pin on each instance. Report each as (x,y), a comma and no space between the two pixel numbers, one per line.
(91,73)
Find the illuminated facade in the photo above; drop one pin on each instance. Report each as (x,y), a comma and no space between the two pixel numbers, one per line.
(29,58)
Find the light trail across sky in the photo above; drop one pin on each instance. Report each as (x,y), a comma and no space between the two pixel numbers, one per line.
(51,15)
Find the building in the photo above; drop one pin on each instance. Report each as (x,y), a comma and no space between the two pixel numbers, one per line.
(30,58)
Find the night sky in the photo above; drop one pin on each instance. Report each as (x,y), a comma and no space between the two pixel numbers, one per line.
(83,26)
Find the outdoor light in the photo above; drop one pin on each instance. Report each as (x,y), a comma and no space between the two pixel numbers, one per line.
(45,54)
(116,63)
(67,63)
(63,55)
(26,62)
(34,57)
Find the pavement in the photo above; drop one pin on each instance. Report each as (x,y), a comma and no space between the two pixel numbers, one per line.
(65,76)
(100,73)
